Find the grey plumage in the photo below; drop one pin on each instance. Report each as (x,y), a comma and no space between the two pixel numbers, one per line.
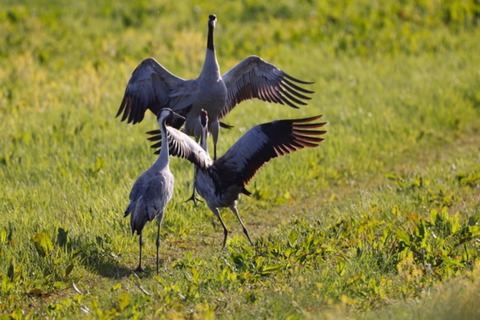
(153,87)
(220,182)
(152,190)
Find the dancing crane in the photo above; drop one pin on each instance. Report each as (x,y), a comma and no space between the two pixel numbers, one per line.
(153,87)
(220,182)
(153,189)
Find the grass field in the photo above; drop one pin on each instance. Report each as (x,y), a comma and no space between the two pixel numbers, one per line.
(380,221)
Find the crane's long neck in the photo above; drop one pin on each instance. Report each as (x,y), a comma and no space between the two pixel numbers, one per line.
(210,66)
(210,45)
(164,151)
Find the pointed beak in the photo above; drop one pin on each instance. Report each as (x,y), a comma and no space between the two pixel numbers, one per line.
(176,116)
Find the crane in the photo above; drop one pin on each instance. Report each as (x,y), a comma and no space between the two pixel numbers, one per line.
(220,182)
(153,87)
(153,189)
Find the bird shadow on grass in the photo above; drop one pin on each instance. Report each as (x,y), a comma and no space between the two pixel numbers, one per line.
(109,269)
(98,257)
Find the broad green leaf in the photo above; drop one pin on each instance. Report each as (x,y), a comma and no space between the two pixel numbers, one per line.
(43,243)
(403,236)
(124,301)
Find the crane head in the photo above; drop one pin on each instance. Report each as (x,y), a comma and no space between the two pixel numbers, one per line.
(212,19)
(169,116)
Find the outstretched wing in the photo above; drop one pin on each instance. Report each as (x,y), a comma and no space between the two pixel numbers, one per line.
(256,78)
(264,142)
(182,146)
(153,87)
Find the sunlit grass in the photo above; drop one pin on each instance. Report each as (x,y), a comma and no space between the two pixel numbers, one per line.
(398,86)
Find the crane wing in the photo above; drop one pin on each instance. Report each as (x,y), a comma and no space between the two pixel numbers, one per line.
(264,142)
(256,78)
(182,146)
(148,198)
(154,87)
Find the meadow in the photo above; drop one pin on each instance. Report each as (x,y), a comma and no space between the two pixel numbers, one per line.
(382,220)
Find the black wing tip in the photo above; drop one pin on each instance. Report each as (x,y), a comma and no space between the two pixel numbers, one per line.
(286,75)
(154,135)
(308,119)
(128,118)
(246,192)
(308,125)
(225,125)
(287,82)
(314,136)
(123,113)
(122,108)
(156,145)
(119,112)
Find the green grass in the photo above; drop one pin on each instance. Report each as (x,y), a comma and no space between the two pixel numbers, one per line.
(381,220)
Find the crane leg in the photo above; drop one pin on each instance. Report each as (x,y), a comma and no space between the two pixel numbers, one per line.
(140,243)
(235,211)
(157,243)
(194,197)
(225,230)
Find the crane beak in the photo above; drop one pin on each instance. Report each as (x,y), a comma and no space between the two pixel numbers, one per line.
(177,117)
(175,120)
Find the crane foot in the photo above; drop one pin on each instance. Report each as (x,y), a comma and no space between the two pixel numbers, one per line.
(194,198)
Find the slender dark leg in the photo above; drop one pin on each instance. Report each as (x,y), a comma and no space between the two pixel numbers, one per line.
(225,230)
(194,197)
(139,268)
(235,211)
(158,239)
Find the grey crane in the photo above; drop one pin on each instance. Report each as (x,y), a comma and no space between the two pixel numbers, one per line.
(220,182)
(153,87)
(153,189)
